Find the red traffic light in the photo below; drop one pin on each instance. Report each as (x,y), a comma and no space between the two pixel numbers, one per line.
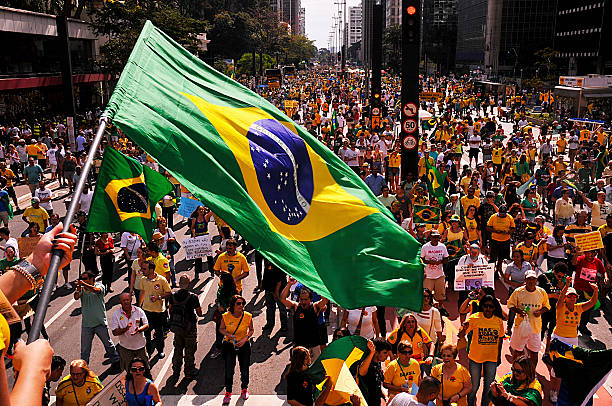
(411,10)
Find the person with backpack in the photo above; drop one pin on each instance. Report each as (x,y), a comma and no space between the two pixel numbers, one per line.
(184,306)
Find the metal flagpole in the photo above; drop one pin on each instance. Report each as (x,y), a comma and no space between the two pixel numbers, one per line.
(51,278)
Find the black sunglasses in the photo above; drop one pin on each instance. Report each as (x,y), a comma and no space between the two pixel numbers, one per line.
(137,369)
(406,352)
(240,303)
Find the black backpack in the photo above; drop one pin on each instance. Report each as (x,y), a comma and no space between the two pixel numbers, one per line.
(179,321)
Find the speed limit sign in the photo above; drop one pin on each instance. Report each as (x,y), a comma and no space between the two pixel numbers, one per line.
(409,142)
(410,126)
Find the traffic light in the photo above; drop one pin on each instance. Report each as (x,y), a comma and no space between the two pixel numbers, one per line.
(411,56)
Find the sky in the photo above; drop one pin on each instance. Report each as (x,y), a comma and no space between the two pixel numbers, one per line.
(319,19)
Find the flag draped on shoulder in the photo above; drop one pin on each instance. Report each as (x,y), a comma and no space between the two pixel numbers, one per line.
(125,196)
(435,182)
(582,371)
(340,360)
(286,193)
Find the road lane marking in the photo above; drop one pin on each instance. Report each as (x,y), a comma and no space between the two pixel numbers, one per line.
(56,315)
(166,365)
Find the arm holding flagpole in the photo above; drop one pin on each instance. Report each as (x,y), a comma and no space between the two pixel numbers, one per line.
(56,257)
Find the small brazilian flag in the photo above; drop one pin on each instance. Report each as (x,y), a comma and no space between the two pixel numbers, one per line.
(426,214)
(435,182)
(340,360)
(334,124)
(125,196)
(455,249)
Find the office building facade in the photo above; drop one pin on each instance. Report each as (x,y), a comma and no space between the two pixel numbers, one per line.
(439,33)
(582,35)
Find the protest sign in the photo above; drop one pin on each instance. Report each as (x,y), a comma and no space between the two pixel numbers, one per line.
(585,242)
(469,277)
(113,394)
(26,245)
(197,247)
(188,204)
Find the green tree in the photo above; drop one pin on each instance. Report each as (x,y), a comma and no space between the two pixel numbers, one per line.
(245,63)
(392,47)
(122,23)
(298,48)
(546,63)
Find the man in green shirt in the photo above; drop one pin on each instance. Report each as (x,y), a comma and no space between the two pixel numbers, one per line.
(93,321)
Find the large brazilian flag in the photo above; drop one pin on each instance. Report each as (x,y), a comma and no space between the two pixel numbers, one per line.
(269,179)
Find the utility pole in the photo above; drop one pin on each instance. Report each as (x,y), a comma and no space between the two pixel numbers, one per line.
(411,47)
(61,22)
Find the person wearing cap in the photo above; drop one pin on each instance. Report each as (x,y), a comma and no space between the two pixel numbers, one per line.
(185,308)
(104,249)
(33,150)
(434,255)
(36,214)
(528,301)
(32,174)
(501,226)
(589,270)
(128,323)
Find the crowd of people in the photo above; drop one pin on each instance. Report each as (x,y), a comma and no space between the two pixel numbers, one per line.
(516,199)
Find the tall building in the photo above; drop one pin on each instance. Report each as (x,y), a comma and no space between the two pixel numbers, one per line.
(439,33)
(302,25)
(393,12)
(290,13)
(366,30)
(275,5)
(354,28)
(502,36)
(582,32)
(471,25)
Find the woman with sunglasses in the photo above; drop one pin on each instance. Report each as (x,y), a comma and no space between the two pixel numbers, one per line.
(237,329)
(403,372)
(485,349)
(519,387)
(429,318)
(409,331)
(139,387)
(455,378)
(79,387)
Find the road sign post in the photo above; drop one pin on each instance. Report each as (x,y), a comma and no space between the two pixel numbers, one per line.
(411,44)
(375,100)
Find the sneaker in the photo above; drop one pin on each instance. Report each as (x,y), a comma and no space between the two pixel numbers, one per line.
(245,394)
(215,353)
(162,355)
(227,398)
(68,285)
(553,396)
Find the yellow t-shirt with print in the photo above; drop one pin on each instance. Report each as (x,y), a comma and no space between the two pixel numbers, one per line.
(500,224)
(568,322)
(497,156)
(231,325)
(452,384)
(529,253)
(234,264)
(162,265)
(37,216)
(418,340)
(472,228)
(69,393)
(467,202)
(402,375)
(522,299)
(486,334)
(154,287)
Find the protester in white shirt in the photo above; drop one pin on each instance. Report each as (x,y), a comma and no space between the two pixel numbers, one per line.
(128,323)
(45,195)
(365,319)
(434,256)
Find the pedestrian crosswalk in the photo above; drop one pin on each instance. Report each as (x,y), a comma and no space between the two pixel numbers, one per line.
(209,400)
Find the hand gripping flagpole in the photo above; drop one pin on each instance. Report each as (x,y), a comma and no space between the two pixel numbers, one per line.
(56,257)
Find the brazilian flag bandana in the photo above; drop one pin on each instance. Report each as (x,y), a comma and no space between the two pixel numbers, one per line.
(125,196)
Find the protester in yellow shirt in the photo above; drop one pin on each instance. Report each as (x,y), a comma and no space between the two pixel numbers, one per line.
(402,373)
(233,262)
(78,388)
(569,313)
(470,200)
(487,330)
(410,331)
(455,378)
